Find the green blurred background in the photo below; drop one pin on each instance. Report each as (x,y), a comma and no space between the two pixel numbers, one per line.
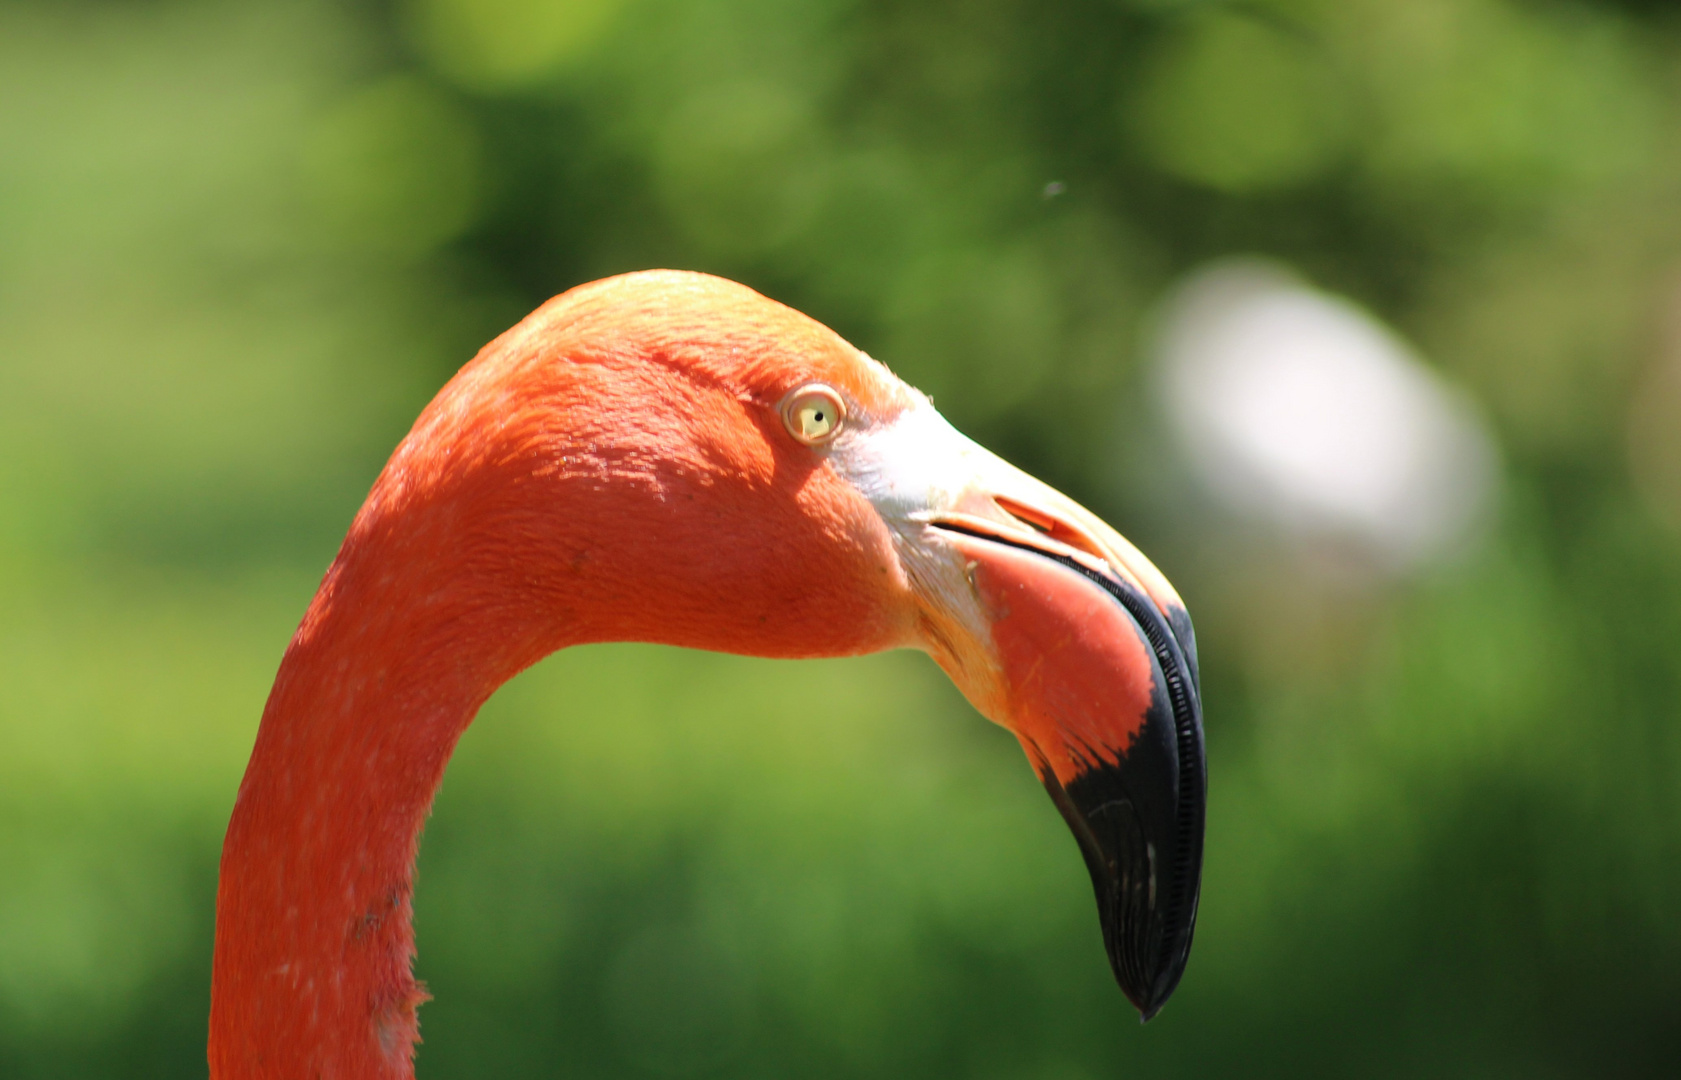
(242,243)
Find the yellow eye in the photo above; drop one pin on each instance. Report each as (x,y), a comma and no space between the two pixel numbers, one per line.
(813,414)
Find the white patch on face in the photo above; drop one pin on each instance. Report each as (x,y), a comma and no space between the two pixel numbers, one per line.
(912,469)
(915,465)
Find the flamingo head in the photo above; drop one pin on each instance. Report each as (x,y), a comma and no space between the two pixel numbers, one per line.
(790,496)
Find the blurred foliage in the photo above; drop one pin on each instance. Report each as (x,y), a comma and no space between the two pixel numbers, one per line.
(242,243)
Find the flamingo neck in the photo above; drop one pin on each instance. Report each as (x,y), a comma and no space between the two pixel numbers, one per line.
(314,939)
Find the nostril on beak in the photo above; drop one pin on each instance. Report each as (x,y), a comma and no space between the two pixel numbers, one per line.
(1053,527)
(1032,523)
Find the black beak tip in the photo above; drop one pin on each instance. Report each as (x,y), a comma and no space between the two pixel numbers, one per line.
(1145,869)
(1150,998)
(1147,956)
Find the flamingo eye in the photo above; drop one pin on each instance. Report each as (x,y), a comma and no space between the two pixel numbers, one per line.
(813,414)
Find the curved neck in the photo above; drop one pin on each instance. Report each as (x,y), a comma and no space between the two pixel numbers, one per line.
(313,935)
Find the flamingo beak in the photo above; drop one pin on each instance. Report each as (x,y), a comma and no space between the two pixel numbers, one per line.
(1102,692)
(1058,629)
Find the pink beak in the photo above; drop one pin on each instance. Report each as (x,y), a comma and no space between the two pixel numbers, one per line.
(1094,660)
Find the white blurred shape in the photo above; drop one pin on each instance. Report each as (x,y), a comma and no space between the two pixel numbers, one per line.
(1298,407)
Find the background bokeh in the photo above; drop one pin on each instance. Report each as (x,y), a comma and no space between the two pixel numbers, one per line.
(242,242)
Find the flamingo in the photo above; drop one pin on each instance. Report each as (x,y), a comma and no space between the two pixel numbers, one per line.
(671,457)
